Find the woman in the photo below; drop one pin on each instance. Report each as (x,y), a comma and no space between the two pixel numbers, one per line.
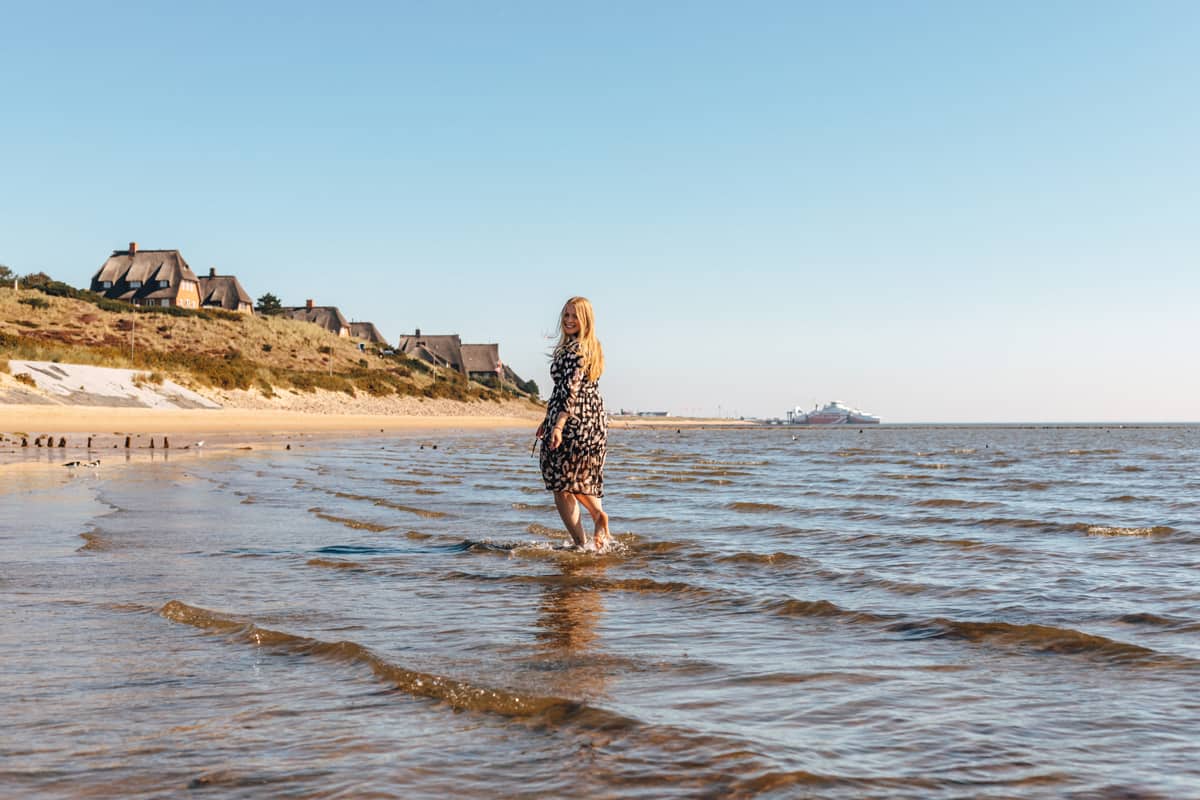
(574,433)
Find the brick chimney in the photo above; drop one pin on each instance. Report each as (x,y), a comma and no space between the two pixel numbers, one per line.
(417,333)
(212,272)
(133,248)
(308,304)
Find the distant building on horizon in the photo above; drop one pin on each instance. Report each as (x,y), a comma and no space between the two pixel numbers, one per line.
(148,278)
(224,291)
(327,317)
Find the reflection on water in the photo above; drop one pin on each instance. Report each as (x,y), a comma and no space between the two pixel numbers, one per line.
(570,610)
(912,613)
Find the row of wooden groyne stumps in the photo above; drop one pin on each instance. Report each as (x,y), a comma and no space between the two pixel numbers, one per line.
(62,442)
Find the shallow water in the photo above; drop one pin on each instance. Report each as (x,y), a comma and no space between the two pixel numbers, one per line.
(902,612)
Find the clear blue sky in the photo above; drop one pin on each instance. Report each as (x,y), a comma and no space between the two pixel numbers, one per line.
(933,211)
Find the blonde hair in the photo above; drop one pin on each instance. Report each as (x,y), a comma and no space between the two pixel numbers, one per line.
(591,354)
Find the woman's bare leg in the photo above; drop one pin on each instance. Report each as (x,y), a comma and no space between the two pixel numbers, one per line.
(595,507)
(568,509)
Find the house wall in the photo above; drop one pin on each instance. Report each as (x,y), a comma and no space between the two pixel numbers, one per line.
(188,295)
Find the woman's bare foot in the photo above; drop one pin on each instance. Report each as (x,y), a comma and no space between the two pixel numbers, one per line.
(602,537)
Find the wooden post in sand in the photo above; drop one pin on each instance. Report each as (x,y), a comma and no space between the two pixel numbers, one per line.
(127,442)
(151,442)
(166,443)
(62,441)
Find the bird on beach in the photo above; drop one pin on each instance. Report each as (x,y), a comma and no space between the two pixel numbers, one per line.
(93,463)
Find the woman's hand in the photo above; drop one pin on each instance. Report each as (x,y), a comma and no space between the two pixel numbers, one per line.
(555,437)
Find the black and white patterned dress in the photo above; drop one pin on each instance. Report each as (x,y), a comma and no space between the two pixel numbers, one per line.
(577,465)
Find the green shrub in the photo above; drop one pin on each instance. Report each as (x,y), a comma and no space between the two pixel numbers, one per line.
(34,302)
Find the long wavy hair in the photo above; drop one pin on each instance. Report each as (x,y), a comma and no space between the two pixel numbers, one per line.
(591,354)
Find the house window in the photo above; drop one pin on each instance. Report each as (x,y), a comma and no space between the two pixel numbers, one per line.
(163,284)
(107,284)
(135,284)
(164,302)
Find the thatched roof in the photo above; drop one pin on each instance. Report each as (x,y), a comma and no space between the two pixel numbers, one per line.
(147,267)
(328,317)
(223,291)
(368,332)
(441,350)
(481,358)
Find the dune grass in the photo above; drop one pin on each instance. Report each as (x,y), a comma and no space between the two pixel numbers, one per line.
(217,349)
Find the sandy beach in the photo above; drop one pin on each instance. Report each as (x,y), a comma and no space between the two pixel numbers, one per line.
(55,420)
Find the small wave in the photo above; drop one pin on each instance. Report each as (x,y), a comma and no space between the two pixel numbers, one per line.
(1040,638)
(1033,524)
(805,608)
(354,549)
(1132,468)
(1026,486)
(379,501)
(356,524)
(952,503)
(458,694)
(417,535)
(402,482)
(1106,530)
(542,530)
(1172,624)
(333,563)
(754,508)
(532,507)
(769,559)
(93,541)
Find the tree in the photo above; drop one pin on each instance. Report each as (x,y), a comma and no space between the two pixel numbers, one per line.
(269,305)
(36,280)
(6,274)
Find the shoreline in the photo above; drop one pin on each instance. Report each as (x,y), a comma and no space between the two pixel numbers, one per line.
(36,420)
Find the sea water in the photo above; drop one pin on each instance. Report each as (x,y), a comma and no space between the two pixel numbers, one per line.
(901,612)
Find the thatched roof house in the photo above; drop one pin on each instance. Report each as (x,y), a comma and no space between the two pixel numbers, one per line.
(148,278)
(328,317)
(367,332)
(441,350)
(482,360)
(224,291)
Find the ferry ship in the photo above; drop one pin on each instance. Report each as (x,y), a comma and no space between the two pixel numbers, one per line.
(835,413)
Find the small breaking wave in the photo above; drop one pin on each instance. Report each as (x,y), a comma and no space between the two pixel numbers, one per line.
(1112,530)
